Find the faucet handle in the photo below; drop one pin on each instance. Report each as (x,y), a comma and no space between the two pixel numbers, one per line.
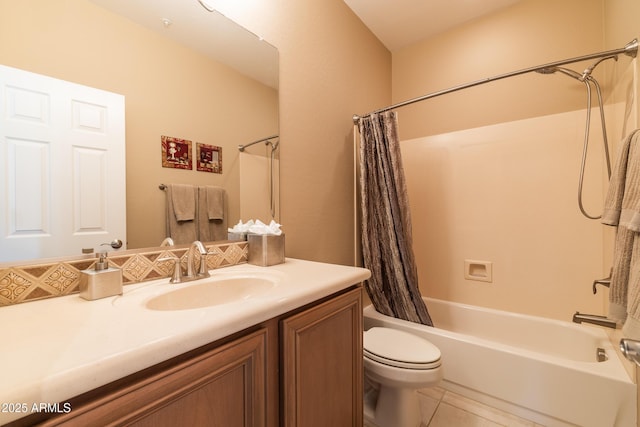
(176,276)
(604,282)
(204,270)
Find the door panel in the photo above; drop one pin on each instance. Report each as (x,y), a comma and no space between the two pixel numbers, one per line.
(62,166)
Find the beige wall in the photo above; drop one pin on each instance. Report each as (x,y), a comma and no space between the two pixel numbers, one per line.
(169,90)
(331,67)
(529,33)
(506,193)
(621,25)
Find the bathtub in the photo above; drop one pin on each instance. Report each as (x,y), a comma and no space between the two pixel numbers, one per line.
(540,369)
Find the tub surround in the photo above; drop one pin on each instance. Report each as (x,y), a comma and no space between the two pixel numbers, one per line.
(92,343)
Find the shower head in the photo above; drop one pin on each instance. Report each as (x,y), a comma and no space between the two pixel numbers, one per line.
(546,70)
(566,71)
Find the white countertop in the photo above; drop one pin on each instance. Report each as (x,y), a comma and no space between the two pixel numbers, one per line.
(58,348)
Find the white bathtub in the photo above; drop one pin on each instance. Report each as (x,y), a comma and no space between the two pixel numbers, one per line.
(540,369)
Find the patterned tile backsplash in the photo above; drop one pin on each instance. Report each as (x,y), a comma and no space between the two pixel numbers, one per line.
(46,280)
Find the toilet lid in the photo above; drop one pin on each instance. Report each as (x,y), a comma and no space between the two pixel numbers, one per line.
(401,349)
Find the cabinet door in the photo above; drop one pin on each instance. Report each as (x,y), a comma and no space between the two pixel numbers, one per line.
(322,364)
(223,387)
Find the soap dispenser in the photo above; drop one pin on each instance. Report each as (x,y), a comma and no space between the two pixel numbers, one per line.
(102,281)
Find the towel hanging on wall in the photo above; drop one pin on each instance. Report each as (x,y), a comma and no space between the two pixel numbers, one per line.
(181,221)
(212,224)
(622,210)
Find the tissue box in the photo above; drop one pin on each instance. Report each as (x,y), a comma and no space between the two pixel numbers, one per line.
(237,235)
(265,249)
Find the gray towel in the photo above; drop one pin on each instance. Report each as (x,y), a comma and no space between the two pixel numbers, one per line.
(215,202)
(183,199)
(622,204)
(622,209)
(181,213)
(212,224)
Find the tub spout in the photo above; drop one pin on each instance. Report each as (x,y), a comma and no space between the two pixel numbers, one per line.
(595,320)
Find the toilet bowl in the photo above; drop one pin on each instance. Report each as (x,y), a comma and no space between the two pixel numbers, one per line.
(396,365)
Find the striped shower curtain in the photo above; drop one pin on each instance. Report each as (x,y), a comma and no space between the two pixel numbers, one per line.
(386,222)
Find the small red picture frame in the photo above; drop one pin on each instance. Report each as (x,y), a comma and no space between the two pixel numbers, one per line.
(176,153)
(208,158)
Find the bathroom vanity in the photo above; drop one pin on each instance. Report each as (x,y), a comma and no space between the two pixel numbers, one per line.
(290,355)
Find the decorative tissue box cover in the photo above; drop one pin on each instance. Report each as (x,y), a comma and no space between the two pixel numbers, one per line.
(265,249)
(232,235)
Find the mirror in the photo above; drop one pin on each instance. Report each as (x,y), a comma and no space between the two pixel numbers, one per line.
(185,72)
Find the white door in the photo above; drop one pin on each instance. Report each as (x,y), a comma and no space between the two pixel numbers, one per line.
(62,166)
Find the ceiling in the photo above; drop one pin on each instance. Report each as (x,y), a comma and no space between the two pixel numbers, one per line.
(210,33)
(398,23)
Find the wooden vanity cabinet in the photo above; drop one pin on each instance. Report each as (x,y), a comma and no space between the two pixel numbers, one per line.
(322,364)
(300,369)
(224,386)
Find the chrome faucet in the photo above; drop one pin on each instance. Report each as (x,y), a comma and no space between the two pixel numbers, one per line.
(177,276)
(594,319)
(168,241)
(202,272)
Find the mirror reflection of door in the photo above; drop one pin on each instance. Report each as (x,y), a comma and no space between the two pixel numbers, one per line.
(62,157)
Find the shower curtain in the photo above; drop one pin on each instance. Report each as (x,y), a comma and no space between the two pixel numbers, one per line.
(386,222)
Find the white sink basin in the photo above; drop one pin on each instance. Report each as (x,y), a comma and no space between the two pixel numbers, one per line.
(212,292)
(222,288)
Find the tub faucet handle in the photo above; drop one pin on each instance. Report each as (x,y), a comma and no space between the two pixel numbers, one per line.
(604,282)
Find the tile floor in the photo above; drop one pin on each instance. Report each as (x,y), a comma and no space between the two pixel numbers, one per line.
(443,408)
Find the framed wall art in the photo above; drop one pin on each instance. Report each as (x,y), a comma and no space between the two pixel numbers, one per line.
(176,153)
(208,158)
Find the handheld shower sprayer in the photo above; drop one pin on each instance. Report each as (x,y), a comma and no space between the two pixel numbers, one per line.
(588,79)
(631,349)
(587,71)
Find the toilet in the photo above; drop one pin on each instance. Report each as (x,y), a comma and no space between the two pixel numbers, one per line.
(396,365)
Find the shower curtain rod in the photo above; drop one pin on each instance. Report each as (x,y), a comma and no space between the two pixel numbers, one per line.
(242,147)
(630,49)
